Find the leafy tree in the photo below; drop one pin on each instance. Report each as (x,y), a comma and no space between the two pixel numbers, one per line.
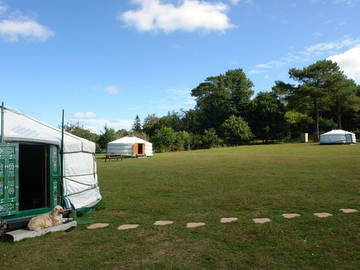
(268,117)
(315,82)
(210,138)
(221,96)
(107,136)
(236,131)
(122,133)
(343,96)
(164,139)
(298,123)
(151,124)
(182,141)
(137,124)
(82,132)
(141,135)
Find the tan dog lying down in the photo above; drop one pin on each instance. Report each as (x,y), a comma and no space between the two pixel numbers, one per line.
(47,220)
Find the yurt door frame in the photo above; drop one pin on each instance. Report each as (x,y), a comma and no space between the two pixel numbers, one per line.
(21,193)
(138,149)
(348,138)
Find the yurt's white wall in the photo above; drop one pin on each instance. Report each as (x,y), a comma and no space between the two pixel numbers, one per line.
(337,136)
(80,181)
(124,146)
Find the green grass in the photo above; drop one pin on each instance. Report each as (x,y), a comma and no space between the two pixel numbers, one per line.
(203,186)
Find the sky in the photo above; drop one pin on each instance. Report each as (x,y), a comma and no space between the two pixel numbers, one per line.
(104,62)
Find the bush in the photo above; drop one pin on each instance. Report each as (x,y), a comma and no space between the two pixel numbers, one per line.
(210,139)
(183,139)
(236,131)
(163,139)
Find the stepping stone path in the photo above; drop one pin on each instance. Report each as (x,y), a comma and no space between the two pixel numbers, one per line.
(322,215)
(348,211)
(195,224)
(163,222)
(228,220)
(292,215)
(97,226)
(127,227)
(261,220)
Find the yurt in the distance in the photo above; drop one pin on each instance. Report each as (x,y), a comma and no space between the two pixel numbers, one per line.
(130,146)
(337,136)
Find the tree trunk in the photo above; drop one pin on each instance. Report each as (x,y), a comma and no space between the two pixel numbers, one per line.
(316,110)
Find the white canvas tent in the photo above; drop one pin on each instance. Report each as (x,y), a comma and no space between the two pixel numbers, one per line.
(130,146)
(79,183)
(337,136)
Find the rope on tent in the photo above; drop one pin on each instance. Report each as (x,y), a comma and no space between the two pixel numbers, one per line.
(89,185)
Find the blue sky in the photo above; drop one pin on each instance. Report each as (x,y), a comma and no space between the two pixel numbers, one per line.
(104,62)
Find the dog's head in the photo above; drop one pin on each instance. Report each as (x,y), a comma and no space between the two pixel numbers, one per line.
(58,210)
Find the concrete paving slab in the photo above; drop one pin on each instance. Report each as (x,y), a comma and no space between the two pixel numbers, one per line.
(261,220)
(97,226)
(348,211)
(23,234)
(291,215)
(195,224)
(127,227)
(228,220)
(163,222)
(322,215)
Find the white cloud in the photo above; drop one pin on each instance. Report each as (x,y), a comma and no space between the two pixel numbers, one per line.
(84,115)
(3,8)
(307,54)
(97,125)
(234,2)
(349,62)
(112,90)
(16,29)
(175,100)
(15,26)
(188,15)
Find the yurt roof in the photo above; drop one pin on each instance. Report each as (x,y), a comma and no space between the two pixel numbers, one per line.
(20,127)
(337,132)
(129,140)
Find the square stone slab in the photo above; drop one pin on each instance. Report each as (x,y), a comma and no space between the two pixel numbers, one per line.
(261,220)
(128,226)
(97,226)
(195,224)
(291,215)
(163,222)
(322,215)
(348,211)
(228,220)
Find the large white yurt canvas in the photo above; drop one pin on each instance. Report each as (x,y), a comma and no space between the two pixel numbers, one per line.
(80,182)
(130,146)
(338,136)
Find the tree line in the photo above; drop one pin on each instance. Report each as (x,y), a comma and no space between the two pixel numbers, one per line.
(321,98)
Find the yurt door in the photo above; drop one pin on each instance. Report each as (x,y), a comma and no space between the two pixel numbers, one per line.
(348,138)
(135,149)
(9,179)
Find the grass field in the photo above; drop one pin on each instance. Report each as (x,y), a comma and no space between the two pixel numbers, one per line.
(203,186)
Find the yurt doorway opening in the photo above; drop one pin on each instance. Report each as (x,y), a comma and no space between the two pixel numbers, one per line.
(141,147)
(33,176)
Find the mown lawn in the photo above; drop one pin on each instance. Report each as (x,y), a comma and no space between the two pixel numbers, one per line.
(203,186)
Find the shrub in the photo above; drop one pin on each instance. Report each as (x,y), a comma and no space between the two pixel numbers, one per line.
(236,131)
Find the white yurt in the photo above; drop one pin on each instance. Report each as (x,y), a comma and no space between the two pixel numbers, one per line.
(337,136)
(32,180)
(130,146)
